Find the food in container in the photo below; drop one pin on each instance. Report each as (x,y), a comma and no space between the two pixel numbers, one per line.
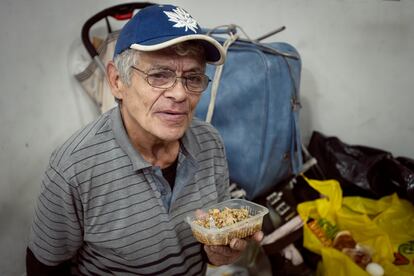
(220,223)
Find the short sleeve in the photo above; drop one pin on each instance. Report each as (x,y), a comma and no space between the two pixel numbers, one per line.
(57,228)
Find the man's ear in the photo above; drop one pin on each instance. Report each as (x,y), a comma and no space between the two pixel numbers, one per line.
(114,80)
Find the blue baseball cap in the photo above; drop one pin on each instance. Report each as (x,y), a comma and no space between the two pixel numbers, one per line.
(159,26)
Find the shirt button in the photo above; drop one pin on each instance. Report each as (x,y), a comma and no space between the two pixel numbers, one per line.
(157,194)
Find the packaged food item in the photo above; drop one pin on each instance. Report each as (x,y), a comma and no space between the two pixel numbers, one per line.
(220,223)
(323,229)
(330,236)
(359,254)
(343,239)
(375,269)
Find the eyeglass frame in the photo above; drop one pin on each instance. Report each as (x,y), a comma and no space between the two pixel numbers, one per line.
(175,81)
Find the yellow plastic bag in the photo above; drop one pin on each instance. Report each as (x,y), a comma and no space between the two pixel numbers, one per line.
(385,226)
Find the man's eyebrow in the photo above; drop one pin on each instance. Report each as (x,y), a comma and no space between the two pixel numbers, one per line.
(195,70)
(161,67)
(166,67)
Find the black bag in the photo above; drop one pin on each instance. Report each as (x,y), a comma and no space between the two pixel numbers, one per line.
(361,170)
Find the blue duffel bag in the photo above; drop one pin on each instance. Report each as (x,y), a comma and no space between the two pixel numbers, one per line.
(256,110)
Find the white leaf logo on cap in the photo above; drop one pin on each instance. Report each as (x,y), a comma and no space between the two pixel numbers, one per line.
(182,19)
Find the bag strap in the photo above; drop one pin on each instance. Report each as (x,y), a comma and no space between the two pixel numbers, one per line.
(217,76)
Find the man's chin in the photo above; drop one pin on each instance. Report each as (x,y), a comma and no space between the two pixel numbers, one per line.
(170,130)
(171,134)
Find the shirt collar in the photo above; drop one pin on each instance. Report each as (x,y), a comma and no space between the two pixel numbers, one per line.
(190,144)
(138,162)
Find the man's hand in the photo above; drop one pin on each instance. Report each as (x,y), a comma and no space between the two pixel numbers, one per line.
(223,254)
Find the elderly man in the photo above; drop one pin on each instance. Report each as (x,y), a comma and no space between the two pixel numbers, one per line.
(115,195)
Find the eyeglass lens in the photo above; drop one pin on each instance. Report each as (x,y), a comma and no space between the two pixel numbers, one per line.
(194,82)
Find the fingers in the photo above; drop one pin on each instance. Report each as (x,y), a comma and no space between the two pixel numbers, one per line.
(238,244)
(226,254)
(200,214)
(219,249)
(221,254)
(235,245)
(258,236)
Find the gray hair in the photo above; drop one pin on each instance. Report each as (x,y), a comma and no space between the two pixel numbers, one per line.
(123,63)
(128,58)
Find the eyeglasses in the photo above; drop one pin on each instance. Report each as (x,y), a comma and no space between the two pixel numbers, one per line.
(166,79)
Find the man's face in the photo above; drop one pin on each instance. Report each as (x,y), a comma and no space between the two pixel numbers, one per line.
(160,114)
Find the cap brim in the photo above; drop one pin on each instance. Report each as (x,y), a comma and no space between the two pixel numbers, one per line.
(215,53)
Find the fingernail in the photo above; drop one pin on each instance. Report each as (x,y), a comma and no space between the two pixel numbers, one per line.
(234,243)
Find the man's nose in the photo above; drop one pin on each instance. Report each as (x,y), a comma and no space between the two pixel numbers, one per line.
(178,91)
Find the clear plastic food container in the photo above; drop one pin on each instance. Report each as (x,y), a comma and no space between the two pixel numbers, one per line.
(241,229)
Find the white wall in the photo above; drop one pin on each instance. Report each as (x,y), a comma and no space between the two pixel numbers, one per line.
(357,82)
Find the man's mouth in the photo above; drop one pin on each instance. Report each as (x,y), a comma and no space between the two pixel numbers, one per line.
(172,115)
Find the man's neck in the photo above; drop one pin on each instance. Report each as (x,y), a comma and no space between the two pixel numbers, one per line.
(155,151)
(159,154)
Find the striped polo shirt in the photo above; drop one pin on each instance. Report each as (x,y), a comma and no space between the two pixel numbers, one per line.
(103,206)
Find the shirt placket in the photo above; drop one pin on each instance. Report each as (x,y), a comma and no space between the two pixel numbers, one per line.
(156,186)
(162,186)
